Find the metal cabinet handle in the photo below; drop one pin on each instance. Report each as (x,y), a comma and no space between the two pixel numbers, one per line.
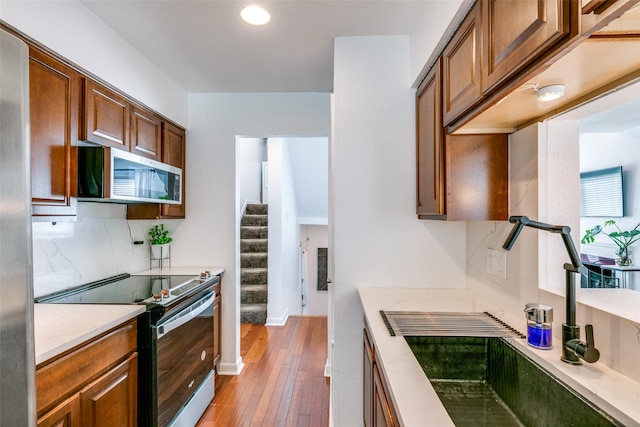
(185,316)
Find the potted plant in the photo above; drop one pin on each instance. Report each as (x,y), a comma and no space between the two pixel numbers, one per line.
(622,239)
(159,240)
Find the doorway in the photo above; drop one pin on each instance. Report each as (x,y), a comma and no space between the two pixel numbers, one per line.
(295,184)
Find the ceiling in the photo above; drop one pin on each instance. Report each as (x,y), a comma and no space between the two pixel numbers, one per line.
(204,46)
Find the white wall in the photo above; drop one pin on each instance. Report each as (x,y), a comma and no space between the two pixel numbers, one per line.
(535,264)
(251,153)
(284,236)
(310,167)
(71,30)
(377,239)
(521,285)
(98,245)
(429,33)
(212,225)
(313,237)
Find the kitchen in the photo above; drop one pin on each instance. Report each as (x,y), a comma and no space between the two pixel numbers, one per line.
(371,216)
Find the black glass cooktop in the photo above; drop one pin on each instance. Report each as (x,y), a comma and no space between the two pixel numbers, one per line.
(125,289)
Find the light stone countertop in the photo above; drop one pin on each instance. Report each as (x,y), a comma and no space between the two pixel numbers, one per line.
(60,327)
(411,391)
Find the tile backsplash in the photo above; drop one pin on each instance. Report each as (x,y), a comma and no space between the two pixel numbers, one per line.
(98,245)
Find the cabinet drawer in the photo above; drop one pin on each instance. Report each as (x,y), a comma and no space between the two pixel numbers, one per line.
(57,380)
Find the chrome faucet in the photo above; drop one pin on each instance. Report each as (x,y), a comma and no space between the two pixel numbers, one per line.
(573,349)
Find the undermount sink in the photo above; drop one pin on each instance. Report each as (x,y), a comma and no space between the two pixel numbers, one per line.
(488,382)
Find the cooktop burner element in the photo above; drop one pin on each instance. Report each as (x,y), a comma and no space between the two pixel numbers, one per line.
(127,289)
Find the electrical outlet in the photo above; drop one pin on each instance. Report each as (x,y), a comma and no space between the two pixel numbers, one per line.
(497,263)
(138,247)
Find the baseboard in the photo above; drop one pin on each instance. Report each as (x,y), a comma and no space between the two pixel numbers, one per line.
(281,321)
(327,369)
(231,368)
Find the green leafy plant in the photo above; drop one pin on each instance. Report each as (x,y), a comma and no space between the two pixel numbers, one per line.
(623,239)
(158,235)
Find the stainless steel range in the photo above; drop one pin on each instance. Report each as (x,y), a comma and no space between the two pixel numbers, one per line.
(175,340)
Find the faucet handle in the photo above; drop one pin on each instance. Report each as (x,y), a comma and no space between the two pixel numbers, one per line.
(588,350)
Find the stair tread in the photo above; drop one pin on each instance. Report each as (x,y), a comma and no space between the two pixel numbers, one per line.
(253,307)
(254,286)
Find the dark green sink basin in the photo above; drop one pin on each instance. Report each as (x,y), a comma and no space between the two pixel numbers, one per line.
(488,382)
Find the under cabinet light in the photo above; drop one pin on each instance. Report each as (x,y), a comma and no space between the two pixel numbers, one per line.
(549,93)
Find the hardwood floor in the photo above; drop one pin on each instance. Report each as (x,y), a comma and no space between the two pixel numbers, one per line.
(282,383)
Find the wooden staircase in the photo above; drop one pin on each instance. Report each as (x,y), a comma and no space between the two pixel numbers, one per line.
(253,264)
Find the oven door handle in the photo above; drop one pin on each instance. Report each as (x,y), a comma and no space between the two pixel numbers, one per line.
(185,315)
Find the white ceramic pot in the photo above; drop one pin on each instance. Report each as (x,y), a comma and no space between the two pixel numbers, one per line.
(160,251)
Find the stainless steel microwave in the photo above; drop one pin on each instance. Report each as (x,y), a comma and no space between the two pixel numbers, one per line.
(111,175)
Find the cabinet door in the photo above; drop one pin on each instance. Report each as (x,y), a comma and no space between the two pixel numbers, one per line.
(384,415)
(368,386)
(516,32)
(111,400)
(54,93)
(430,148)
(145,133)
(106,116)
(217,328)
(462,67)
(477,177)
(173,153)
(66,414)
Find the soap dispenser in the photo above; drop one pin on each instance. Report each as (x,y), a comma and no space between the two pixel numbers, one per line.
(539,318)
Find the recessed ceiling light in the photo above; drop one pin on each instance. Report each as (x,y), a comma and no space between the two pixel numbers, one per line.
(255,15)
(549,93)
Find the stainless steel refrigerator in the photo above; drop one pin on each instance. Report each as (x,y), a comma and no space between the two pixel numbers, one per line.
(17,357)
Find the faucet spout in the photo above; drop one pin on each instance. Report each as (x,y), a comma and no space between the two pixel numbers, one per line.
(573,349)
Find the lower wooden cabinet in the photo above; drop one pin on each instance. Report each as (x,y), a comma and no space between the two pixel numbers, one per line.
(66,414)
(112,399)
(217,326)
(95,385)
(378,411)
(367,380)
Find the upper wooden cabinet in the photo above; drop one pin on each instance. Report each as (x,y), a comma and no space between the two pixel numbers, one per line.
(54,92)
(173,153)
(106,116)
(459,177)
(498,44)
(173,149)
(146,129)
(477,177)
(462,67)
(430,147)
(516,32)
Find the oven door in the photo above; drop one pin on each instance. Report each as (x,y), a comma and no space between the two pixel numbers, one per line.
(184,356)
